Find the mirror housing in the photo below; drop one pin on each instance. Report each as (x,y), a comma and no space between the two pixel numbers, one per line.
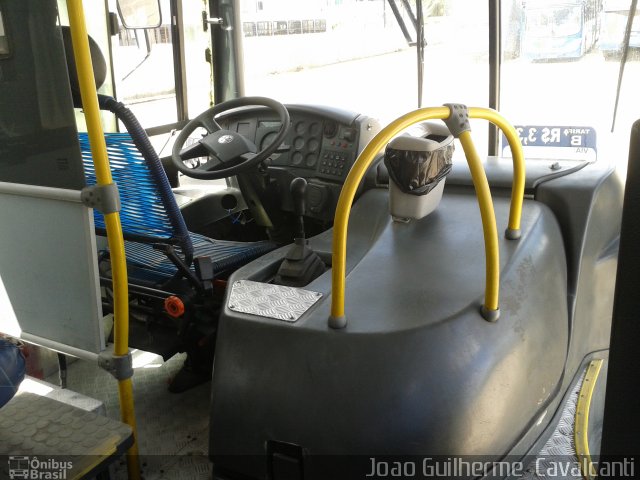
(140,14)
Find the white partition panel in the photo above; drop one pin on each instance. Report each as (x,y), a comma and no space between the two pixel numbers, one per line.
(49,285)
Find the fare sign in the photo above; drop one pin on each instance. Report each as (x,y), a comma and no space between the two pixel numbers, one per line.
(555,142)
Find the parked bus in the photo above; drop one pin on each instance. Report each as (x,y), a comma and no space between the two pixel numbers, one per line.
(560,30)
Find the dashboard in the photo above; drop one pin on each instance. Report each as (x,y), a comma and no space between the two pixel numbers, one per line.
(321,146)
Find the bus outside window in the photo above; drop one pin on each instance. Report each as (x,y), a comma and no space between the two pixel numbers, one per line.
(566,29)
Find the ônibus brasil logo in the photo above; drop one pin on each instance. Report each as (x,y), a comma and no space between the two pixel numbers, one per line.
(32,468)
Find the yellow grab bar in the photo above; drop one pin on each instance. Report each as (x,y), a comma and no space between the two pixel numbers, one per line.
(490,308)
(89,96)
(517,188)
(489,228)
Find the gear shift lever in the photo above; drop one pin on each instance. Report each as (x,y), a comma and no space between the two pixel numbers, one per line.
(301,264)
(298,188)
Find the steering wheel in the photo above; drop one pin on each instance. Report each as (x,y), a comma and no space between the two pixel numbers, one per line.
(229,152)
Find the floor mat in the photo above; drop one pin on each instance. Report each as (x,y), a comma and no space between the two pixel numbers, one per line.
(173,429)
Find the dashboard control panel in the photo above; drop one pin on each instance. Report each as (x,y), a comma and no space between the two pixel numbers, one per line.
(321,140)
(321,146)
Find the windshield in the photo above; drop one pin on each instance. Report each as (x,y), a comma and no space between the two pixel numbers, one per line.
(560,64)
(356,55)
(359,57)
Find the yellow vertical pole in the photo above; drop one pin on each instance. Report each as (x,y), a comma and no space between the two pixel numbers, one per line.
(489,228)
(112,220)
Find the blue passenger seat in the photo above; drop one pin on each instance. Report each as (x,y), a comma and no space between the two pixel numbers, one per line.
(150,216)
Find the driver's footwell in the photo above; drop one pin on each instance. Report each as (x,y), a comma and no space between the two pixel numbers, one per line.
(173,429)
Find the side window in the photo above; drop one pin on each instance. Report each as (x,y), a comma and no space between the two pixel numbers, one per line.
(141,58)
(160,78)
(143,62)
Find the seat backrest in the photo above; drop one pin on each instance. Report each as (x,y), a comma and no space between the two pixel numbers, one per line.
(149,212)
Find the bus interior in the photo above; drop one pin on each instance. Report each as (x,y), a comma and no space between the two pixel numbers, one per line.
(325,239)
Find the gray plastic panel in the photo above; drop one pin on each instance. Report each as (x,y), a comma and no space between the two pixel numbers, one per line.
(38,137)
(500,172)
(417,369)
(48,268)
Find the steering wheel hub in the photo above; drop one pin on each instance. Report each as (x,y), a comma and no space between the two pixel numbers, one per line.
(230,153)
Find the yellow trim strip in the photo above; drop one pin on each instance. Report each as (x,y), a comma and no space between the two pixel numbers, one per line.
(581,424)
(364,160)
(112,221)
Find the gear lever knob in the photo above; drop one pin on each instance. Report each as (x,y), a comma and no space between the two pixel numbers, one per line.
(298,187)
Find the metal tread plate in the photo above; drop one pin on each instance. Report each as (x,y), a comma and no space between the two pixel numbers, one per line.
(559,450)
(271,301)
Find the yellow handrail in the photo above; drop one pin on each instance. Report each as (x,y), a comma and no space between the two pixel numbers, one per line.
(517,188)
(112,220)
(337,318)
(489,228)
